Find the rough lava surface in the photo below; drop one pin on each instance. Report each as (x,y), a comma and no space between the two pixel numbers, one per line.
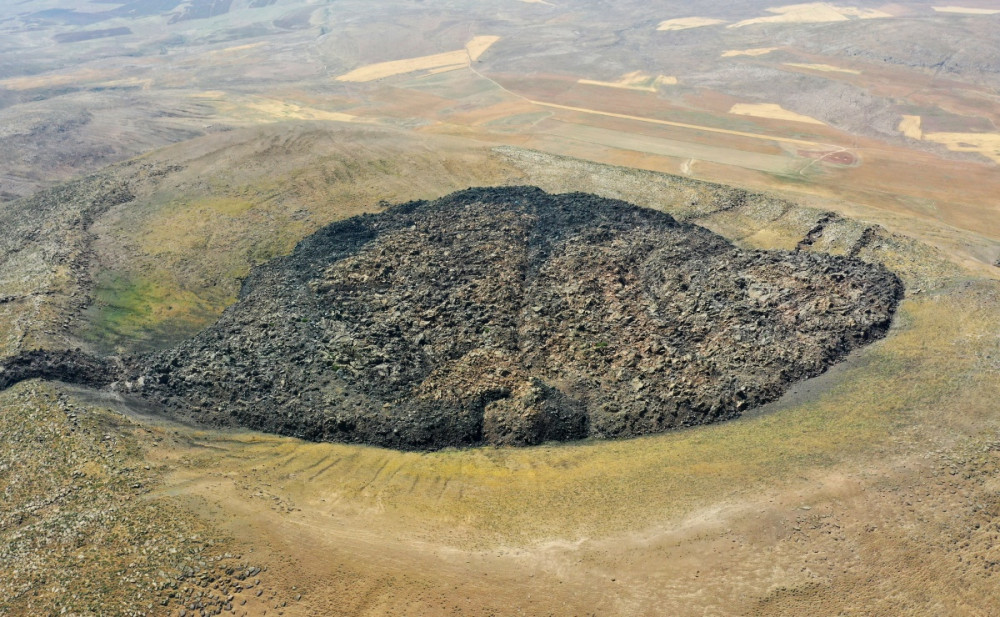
(509,316)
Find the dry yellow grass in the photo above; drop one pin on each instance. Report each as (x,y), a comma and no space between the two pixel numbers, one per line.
(145,84)
(822,67)
(51,80)
(813,12)
(189,225)
(636,80)
(460,57)
(770,111)
(236,48)
(281,110)
(910,126)
(478,46)
(410,65)
(690,151)
(986,144)
(684,23)
(257,109)
(758,51)
(685,125)
(965,10)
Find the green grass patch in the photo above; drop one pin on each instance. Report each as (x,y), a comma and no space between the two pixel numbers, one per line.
(131,311)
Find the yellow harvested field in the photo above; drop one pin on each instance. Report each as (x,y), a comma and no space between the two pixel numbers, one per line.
(241,47)
(965,10)
(685,125)
(478,46)
(636,80)
(261,109)
(770,111)
(910,126)
(684,23)
(400,67)
(51,80)
(811,13)
(280,110)
(688,150)
(986,144)
(473,50)
(759,51)
(822,67)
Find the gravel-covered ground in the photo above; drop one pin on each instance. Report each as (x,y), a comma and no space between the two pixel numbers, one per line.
(83,528)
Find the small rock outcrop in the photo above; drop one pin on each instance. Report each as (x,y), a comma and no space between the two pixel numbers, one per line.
(71,366)
(505,316)
(509,316)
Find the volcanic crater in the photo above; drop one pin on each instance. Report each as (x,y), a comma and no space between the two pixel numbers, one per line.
(505,316)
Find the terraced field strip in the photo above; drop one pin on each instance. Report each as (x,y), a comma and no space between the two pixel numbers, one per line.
(770,111)
(56,79)
(964,10)
(684,125)
(822,67)
(686,23)
(636,80)
(758,51)
(448,60)
(681,149)
(265,109)
(811,13)
(985,144)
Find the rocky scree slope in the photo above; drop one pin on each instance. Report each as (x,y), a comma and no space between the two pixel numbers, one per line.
(506,316)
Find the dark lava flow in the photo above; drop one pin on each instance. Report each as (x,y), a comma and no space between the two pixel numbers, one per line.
(504,316)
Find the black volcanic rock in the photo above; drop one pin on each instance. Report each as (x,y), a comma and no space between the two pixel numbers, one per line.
(63,365)
(504,316)
(510,316)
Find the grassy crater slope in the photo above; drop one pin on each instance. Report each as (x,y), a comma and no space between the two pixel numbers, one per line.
(171,261)
(869,490)
(509,316)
